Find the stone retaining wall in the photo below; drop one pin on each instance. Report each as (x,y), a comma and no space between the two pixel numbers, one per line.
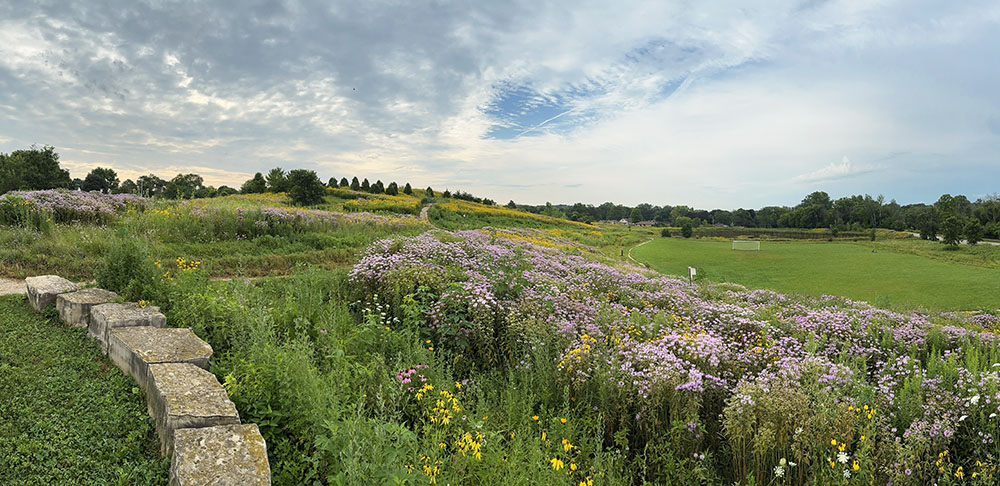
(198,425)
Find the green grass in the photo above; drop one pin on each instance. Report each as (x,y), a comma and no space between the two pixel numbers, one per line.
(67,415)
(900,279)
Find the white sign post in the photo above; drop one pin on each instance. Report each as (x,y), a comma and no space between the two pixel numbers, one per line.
(691,273)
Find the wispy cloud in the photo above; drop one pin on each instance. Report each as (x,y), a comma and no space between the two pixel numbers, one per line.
(835,171)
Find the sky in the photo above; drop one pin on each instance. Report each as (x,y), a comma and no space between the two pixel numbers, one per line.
(709,104)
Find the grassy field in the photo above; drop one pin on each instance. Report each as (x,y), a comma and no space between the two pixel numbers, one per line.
(67,415)
(899,275)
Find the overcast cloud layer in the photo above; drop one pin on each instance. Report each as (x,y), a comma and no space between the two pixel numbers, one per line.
(701,103)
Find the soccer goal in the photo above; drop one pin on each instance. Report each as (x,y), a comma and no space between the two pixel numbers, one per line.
(746,245)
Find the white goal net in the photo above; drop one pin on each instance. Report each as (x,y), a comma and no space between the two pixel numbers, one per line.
(746,245)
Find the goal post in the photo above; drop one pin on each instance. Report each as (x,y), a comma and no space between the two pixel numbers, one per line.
(746,245)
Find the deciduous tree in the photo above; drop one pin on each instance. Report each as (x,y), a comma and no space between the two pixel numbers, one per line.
(256,185)
(305,188)
(101,179)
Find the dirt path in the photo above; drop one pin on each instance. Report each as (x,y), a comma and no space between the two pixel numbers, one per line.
(637,246)
(423,212)
(9,286)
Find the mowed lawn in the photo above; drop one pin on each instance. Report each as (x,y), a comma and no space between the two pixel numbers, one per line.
(897,280)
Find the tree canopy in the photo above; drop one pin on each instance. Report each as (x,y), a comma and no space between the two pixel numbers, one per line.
(32,169)
(101,179)
(305,188)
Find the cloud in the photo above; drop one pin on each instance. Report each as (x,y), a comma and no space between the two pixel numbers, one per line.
(662,102)
(834,171)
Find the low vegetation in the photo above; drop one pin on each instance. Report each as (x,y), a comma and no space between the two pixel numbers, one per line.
(494,345)
(68,415)
(480,357)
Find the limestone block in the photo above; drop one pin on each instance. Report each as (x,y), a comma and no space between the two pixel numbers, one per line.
(74,307)
(182,396)
(105,317)
(220,456)
(134,348)
(42,290)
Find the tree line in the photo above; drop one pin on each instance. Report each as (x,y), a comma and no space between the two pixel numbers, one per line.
(950,214)
(953,218)
(38,168)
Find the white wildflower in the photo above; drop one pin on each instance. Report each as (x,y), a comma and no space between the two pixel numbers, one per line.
(779,471)
(842,457)
(974,400)
(847,474)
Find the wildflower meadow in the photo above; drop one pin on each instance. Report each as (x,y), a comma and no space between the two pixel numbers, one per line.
(480,356)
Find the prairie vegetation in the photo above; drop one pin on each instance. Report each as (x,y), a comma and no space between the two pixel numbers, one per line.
(524,350)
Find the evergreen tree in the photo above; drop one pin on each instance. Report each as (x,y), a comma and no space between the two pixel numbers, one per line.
(429,192)
(332,182)
(344,183)
(446,194)
(377,187)
(511,205)
(365,186)
(392,189)
(407,189)
(277,180)
(355,185)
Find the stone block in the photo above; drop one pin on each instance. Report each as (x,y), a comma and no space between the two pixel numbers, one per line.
(183,396)
(74,307)
(227,455)
(134,348)
(105,317)
(42,290)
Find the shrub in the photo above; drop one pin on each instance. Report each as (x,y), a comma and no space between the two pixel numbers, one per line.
(129,270)
(687,230)
(665,232)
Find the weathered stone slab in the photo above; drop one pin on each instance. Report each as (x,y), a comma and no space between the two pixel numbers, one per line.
(105,317)
(74,307)
(133,349)
(220,456)
(182,396)
(42,290)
